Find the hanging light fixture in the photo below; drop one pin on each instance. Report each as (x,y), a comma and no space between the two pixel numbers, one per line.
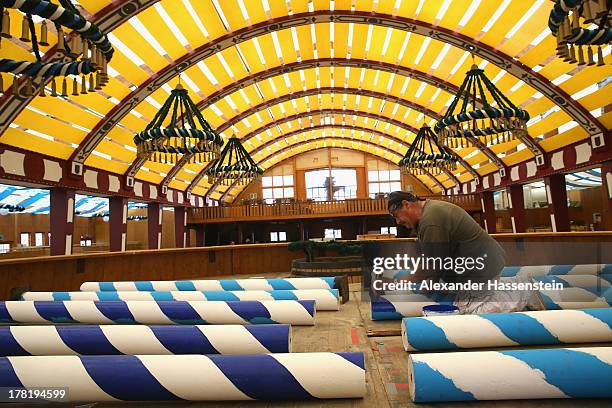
(584,36)
(234,165)
(186,134)
(87,50)
(426,154)
(496,120)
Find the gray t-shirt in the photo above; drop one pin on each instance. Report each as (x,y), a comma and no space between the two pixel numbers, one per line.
(446,230)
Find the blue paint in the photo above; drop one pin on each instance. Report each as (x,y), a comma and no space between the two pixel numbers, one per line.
(549,304)
(5,316)
(356,358)
(183,340)
(423,334)
(185,285)
(432,386)
(509,271)
(274,337)
(561,269)
(607,269)
(145,286)
(88,340)
(8,344)
(8,378)
(402,273)
(161,296)
(107,287)
(261,377)
(52,311)
(521,328)
(60,295)
(116,311)
(249,310)
(283,295)
(220,295)
(577,374)
(603,314)
(280,284)
(440,309)
(331,282)
(108,296)
(125,378)
(230,284)
(180,312)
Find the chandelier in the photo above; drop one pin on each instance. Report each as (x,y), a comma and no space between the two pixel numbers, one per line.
(186,134)
(574,37)
(497,120)
(234,165)
(426,154)
(86,50)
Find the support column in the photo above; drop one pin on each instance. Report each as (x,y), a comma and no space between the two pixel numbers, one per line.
(239,238)
(180,232)
(61,221)
(117,223)
(488,211)
(556,194)
(517,207)
(154,220)
(606,181)
(200,235)
(301,230)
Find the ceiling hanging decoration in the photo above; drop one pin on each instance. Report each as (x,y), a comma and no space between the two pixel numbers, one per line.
(579,40)
(87,50)
(427,155)
(186,134)
(480,111)
(234,166)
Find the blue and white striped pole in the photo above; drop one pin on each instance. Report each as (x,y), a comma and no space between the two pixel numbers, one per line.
(325,299)
(507,329)
(289,376)
(542,270)
(576,298)
(511,374)
(295,312)
(396,307)
(598,283)
(134,339)
(210,284)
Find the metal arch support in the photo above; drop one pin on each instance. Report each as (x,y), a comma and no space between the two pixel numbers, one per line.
(358,128)
(335,138)
(107,19)
(534,79)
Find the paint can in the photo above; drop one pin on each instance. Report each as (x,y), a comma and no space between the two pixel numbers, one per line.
(440,310)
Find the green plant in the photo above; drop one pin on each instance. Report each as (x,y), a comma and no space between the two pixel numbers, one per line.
(319,248)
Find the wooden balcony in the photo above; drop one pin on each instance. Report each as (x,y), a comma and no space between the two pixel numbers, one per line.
(313,209)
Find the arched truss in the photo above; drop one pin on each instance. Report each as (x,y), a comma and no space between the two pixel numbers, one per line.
(329,139)
(257,151)
(329,62)
(573,108)
(325,112)
(535,80)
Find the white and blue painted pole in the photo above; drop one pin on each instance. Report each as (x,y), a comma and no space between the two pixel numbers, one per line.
(294,312)
(288,376)
(211,284)
(396,307)
(325,299)
(549,327)
(46,340)
(542,270)
(576,298)
(511,374)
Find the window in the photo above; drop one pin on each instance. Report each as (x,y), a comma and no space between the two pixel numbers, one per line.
(4,248)
(333,233)
(343,184)
(278,236)
(388,230)
(24,239)
(38,239)
(274,187)
(383,181)
(85,241)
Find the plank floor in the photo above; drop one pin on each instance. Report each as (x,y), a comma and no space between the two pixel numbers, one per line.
(386,366)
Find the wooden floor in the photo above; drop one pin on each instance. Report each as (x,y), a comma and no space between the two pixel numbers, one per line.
(386,365)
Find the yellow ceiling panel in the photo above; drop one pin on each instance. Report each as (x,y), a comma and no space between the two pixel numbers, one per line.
(163,34)
(597,99)
(540,53)
(323,40)
(486,169)
(27,141)
(93,6)
(551,122)
(511,15)
(556,142)
(278,8)
(454,13)
(606,120)
(63,109)
(586,78)
(48,126)
(178,185)
(532,28)
(209,17)
(122,136)
(149,176)
(139,44)
(518,157)
(188,27)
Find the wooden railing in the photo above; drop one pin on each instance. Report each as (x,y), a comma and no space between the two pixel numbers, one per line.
(313,209)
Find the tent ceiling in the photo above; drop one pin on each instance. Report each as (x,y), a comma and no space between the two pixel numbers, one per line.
(256,82)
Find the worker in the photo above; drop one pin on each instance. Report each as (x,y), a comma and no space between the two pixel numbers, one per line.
(446,231)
